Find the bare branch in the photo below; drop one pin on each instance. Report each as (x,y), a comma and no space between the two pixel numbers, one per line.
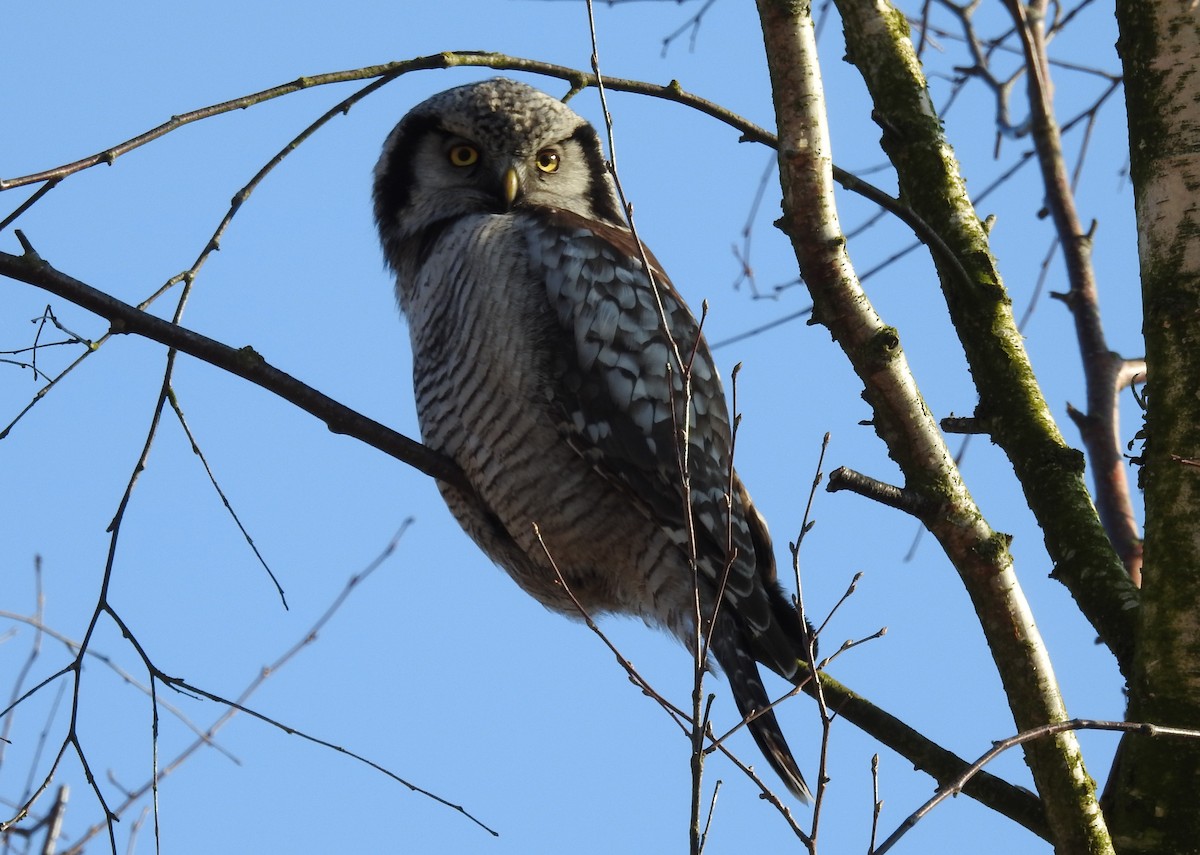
(908,501)
(954,787)
(243,362)
(1099,427)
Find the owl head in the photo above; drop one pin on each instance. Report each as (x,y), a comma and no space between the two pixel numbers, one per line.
(492,147)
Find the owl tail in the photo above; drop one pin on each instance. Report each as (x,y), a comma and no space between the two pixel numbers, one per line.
(754,704)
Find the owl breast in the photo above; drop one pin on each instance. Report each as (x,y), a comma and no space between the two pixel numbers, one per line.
(486,373)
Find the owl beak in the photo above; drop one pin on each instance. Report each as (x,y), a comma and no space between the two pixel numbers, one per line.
(510,185)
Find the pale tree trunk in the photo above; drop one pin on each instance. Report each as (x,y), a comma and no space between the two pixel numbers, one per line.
(1156,797)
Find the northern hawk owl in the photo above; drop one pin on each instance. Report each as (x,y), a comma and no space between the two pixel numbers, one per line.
(556,373)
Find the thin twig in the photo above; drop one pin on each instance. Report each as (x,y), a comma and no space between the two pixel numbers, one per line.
(876,803)
(955,786)
(212,478)
(305,640)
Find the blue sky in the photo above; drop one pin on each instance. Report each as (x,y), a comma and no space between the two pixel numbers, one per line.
(437,667)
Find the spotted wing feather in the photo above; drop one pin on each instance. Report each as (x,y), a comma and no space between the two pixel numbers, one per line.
(619,392)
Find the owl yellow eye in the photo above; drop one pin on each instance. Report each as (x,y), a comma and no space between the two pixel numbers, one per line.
(463,154)
(547,160)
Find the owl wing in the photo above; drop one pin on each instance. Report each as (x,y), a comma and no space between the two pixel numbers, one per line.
(618,390)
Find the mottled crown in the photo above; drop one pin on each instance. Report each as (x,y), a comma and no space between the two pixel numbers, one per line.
(501,114)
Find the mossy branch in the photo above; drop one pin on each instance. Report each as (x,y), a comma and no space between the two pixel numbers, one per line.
(1012,406)
(1010,402)
(979,554)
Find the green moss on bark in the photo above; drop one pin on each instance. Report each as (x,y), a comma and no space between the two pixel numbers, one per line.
(1153,802)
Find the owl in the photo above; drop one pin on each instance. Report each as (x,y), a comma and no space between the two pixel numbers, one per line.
(555,363)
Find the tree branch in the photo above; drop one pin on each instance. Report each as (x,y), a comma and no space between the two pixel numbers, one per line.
(1010,402)
(908,501)
(954,787)
(244,362)
(578,80)
(1099,427)
(979,554)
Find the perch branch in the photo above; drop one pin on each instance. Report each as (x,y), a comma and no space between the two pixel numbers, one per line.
(244,362)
